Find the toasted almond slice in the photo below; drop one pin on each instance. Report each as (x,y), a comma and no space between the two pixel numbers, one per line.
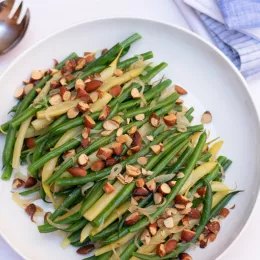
(108,188)
(79,84)
(132,171)
(110,125)
(85,132)
(89,122)
(170,120)
(94,96)
(206,117)
(72,112)
(106,133)
(180,90)
(104,113)
(19,93)
(119,131)
(142,160)
(150,138)
(104,153)
(140,117)
(83,107)
(83,160)
(157,148)
(135,93)
(178,101)
(37,74)
(154,120)
(132,130)
(55,100)
(28,88)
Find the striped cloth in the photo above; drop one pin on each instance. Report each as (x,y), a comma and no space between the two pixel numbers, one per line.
(242,50)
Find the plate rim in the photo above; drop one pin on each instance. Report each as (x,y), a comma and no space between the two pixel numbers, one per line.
(177,27)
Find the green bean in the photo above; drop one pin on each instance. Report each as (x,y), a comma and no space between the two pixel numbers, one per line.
(126,63)
(181,160)
(64,192)
(153,72)
(214,212)
(133,38)
(79,244)
(47,228)
(125,51)
(105,256)
(105,58)
(148,96)
(78,225)
(130,249)
(177,108)
(204,158)
(66,203)
(75,236)
(226,164)
(28,192)
(96,192)
(111,229)
(54,153)
(189,112)
(17,121)
(7,172)
(177,187)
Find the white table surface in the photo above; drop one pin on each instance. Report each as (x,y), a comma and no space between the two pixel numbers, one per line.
(45,20)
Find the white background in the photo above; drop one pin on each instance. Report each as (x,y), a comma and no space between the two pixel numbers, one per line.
(49,16)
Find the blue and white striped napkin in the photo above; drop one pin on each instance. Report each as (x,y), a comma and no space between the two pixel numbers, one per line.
(241,45)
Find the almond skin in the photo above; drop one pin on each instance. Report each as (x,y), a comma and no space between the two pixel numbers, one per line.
(164,188)
(224,213)
(30,143)
(117,148)
(187,235)
(214,227)
(154,120)
(17,183)
(179,199)
(89,122)
(157,148)
(77,172)
(194,213)
(104,113)
(93,85)
(201,191)
(83,107)
(132,219)
(171,183)
(104,153)
(110,125)
(30,210)
(132,171)
(136,143)
(83,95)
(83,160)
(153,228)
(157,198)
(110,162)
(85,249)
(108,188)
(115,91)
(170,120)
(30,182)
(180,90)
(97,166)
(170,245)
(151,185)
(85,142)
(140,182)
(140,191)
(160,250)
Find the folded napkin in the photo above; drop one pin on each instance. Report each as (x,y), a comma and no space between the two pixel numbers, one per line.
(238,45)
(240,14)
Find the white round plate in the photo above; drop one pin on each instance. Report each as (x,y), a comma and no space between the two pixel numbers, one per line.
(213,84)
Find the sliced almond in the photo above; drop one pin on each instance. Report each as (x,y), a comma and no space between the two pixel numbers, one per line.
(140,182)
(142,160)
(17,183)
(63,81)
(80,64)
(170,120)
(206,117)
(106,133)
(85,142)
(115,91)
(85,132)
(135,93)
(132,219)
(28,88)
(94,96)
(151,185)
(110,125)
(89,122)
(117,148)
(160,250)
(104,113)
(79,84)
(187,235)
(140,117)
(72,112)
(82,107)
(132,171)
(157,148)
(180,175)
(93,85)
(152,227)
(19,93)
(37,74)
(150,138)
(141,191)
(118,72)
(132,130)
(179,102)
(110,162)
(104,153)
(55,100)
(118,119)
(180,90)
(77,172)
(83,160)
(108,188)
(168,222)
(164,188)
(53,71)
(157,198)
(68,154)
(146,237)
(154,120)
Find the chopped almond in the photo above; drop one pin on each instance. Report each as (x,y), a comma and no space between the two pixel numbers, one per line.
(157,148)
(117,148)
(104,153)
(110,125)
(104,113)
(170,120)
(132,171)
(140,117)
(72,112)
(154,120)
(55,100)
(115,91)
(135,93)
(89,122)
(180,90)
(108,188)
(19,93)
(206,117)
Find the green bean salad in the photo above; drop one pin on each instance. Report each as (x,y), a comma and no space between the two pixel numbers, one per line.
(109,143)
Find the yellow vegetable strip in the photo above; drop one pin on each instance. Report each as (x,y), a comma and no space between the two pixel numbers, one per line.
(73,210)
(85,232)
(197,174)
(194,138)
(40,124)
(219,186)
(57,110)
(118,212)
(214,150)
(49,167)
(97,208)
(217,197)
(31,132)
(19,142)
(101,102)
(121,80)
